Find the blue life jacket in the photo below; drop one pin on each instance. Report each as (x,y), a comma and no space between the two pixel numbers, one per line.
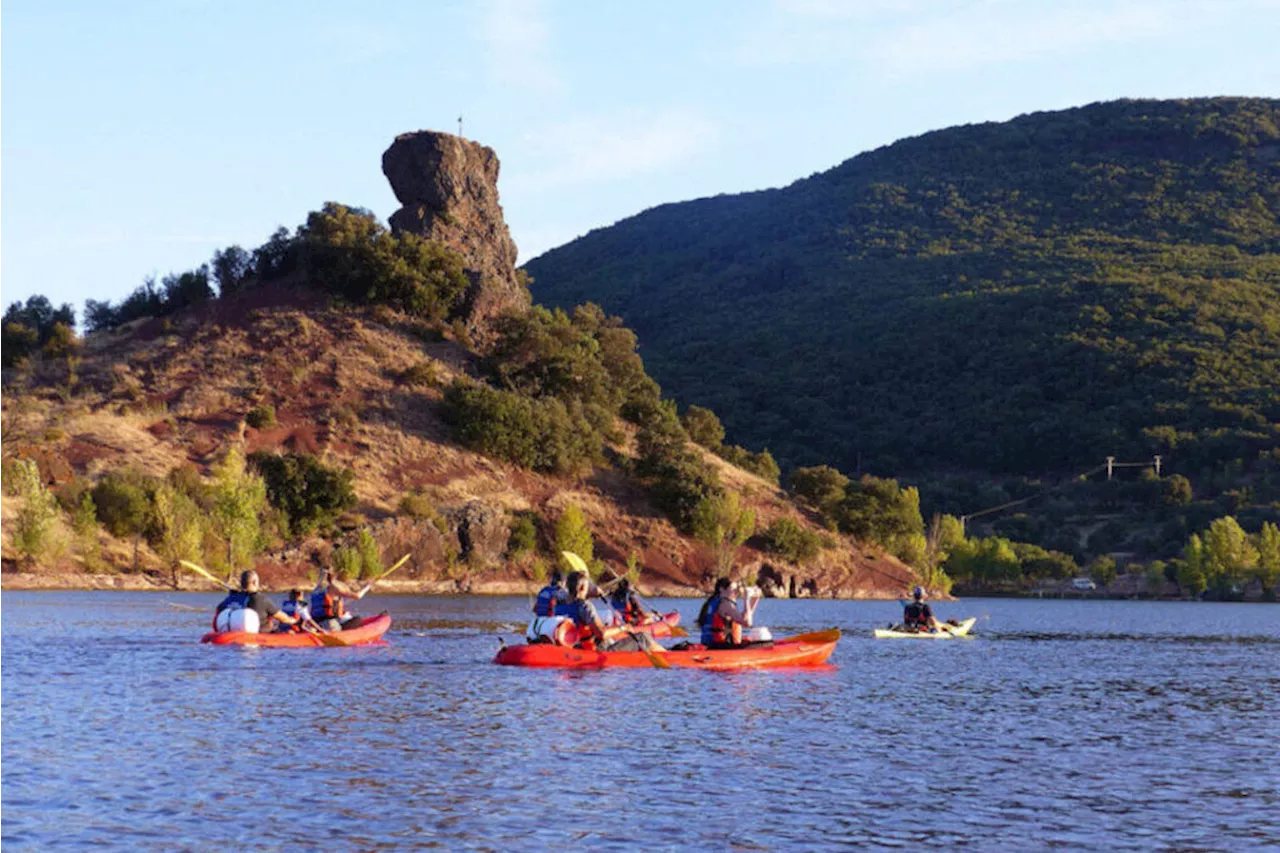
(548,599)
(234,601)
(713,627)
(626,608)
(294,608)
(325,606)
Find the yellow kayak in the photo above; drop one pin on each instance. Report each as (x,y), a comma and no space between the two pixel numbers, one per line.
(946,631)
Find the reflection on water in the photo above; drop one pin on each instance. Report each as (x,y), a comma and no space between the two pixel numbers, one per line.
(1074,724)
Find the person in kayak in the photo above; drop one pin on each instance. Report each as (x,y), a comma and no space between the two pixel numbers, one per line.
(327,607)
(591,628)
(542,627)
(296,606)
(918,616)
(253,601)
(722,619)
(626,604)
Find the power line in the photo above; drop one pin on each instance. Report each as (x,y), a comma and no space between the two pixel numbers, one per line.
(1107,466)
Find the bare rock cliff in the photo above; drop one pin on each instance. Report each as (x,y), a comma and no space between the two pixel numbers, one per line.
(448,187)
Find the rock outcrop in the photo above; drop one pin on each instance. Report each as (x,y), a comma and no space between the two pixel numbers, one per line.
(448,187)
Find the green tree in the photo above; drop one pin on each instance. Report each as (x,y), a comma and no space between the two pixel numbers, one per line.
(573,535)
(308,492)
(239,499)
(524,535)
(124,502)
(33,528)
(180,525)
(1267,569)
(1103,569)
(370,555)
(1191,571)
(723,524)
(1228,554)
(878,510)
(787,539)
(704,427)
(821,487)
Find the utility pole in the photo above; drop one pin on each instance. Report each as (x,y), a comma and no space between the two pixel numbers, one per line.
(459,126)
(1111,460)
(1157,466)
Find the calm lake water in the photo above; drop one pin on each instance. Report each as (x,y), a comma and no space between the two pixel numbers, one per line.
(1061,724)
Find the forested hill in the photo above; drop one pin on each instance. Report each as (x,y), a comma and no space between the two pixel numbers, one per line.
(1024,296)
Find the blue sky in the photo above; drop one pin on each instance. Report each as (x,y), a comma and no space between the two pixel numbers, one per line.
(138,137)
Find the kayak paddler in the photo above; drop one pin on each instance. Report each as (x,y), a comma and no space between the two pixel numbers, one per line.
(249,609)
(918,616)
(542,626)
(591,628)
(327,607)
(722,618)
(626,604)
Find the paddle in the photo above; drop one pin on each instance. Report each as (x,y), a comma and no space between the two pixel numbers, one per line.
(365,590)
(816,638)
(580,565)
(201,571)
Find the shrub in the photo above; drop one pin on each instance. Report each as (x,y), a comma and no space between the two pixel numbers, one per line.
(761,464)
(787,539)
(420,373)
(821,487)
(311,494)
(124,503)
(538,434)
(878,510)
(347,563)
(370,555)
(524,535)
(261,417)
(704,427)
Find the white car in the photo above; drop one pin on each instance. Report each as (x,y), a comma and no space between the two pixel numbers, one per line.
(1083,584)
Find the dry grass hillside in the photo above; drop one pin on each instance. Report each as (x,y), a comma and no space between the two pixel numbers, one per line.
(359,389)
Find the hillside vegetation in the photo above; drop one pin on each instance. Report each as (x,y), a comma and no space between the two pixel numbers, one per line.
(994,302)
(326,406)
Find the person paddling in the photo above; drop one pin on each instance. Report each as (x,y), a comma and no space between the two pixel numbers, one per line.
(249,609)
(591,628)
(721,618)
(545,618)
(626,604)
(327,607)
(296,606)
(918,616)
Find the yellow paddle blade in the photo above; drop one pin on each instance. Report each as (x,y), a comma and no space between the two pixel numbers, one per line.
(203,572)
(677,631)
(578,564)
(816,638)
(327,639)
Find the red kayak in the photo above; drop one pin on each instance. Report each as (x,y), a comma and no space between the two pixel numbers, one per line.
(370,631)
(660,627)
(802,650)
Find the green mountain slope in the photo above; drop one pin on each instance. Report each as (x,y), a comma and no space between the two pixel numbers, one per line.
(1025,296)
